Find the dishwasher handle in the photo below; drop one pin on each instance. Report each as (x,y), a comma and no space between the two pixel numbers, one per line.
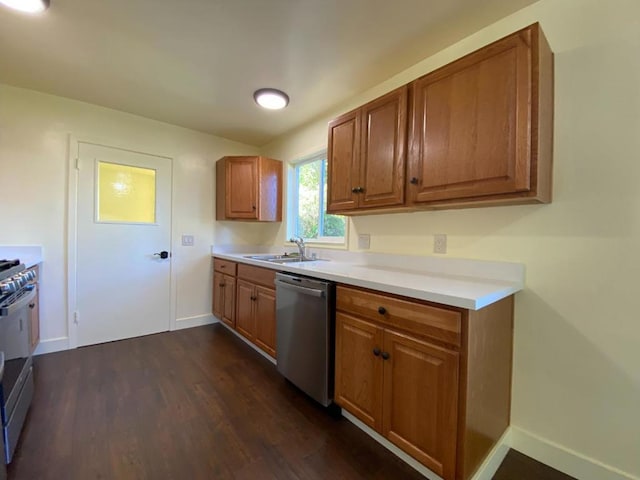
(314,292)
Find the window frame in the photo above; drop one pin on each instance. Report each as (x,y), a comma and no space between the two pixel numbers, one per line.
(293,204)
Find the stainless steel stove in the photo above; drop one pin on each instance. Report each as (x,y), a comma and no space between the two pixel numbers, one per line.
(17,296)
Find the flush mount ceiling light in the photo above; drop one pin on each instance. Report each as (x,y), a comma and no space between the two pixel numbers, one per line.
(271,98)
(28,6)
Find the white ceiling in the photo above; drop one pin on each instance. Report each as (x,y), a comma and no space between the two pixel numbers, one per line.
(196,63)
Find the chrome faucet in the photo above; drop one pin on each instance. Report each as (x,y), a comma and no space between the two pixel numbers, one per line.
(299,241)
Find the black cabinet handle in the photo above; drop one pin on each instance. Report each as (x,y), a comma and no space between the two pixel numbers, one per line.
(382,310)
(414,180)
(32,305)
(354,190)
(376,351)
(360,190)
(385,356)
(221,284)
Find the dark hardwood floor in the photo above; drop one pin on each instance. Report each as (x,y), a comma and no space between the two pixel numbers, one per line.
(517,466)
(190,404)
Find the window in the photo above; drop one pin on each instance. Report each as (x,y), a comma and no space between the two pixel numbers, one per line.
(125,194)
(308,203)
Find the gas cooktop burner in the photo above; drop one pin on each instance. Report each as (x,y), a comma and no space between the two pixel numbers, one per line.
(7,264)
(11,273)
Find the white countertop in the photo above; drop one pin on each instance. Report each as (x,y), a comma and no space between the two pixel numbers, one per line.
(471,284)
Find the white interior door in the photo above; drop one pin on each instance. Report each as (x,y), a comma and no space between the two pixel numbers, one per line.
(123,221)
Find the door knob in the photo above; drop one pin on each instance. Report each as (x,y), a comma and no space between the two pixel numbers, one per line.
(385,355)
(162,254)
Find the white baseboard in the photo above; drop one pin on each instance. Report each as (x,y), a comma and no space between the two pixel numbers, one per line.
(391,447)
(196,321)
(52,345)
(486,471)
(563,459)
(261,352)
(490,465)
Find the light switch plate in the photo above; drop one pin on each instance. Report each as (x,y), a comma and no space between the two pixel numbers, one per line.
(187,240)
(364,241)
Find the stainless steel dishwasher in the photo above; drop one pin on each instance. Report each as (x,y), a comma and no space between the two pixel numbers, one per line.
(305,333)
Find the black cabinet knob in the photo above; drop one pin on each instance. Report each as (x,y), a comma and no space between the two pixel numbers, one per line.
(385,356)
(221,284)
(354,190)
(413,181)
(376,351)
(382,310)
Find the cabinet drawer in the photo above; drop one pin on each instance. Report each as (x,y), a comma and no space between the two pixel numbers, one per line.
(224,266)
(257,275)
(409,315)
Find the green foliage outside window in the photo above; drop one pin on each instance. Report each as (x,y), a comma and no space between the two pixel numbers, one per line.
(312,221)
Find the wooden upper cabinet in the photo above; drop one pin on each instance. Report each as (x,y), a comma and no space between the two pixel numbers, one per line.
(343,166)
(366,157)
(249,188)
(481,127)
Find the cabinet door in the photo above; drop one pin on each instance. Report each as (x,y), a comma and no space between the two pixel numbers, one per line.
(245,319)
(421,401)
(343,162)
(358,377)
(228,311)
(382,151)
(242,187)
(34,319)
(471,125)
(265,313)
(218,295)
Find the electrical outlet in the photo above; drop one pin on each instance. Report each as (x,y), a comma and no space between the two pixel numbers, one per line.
(364,241)
(440,243)
(187,240)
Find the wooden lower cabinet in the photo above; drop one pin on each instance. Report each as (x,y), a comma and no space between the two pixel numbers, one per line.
(442,397)
(244,298)
(265,312)
(420,385)
(256,311)
(358,377)
(245,318)
(224,293)
(34,319)
(400,386)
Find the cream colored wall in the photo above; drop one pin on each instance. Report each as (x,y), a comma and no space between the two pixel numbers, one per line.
(576,376)
(34,128)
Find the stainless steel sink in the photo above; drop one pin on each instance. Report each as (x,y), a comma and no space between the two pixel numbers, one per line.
(280,258)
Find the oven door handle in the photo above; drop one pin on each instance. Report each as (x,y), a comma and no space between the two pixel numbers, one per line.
(20,303)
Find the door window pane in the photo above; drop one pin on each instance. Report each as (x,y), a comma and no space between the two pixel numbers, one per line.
(126,194)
